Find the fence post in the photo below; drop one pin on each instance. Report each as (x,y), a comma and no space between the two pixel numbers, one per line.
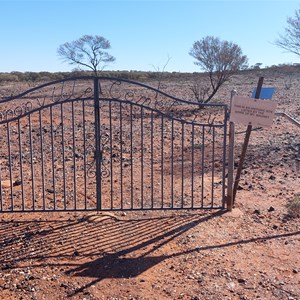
(98,149)
(230,160)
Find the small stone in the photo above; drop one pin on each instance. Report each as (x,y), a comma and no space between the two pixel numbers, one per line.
(275,226)
(6,183)
(64,285)
(17,182)
(241,280)
(271,208)
(295,271)
(257,212)
(272,177)
(231,286)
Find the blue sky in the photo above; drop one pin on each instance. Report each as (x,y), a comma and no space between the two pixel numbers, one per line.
(143,34)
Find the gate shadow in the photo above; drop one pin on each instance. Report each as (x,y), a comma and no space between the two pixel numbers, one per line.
(86,236)
(99,247)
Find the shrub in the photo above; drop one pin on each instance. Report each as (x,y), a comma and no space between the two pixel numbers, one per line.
(293,206)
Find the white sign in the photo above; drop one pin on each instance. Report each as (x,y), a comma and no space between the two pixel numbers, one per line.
(251,111)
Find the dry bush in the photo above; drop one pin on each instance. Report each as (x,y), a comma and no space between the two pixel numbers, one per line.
(293,206)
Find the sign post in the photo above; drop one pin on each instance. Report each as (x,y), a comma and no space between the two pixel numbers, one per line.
(245,146)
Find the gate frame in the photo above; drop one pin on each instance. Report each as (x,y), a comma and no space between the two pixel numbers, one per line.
(98,146)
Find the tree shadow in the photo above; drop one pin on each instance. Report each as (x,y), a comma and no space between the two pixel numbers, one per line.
(114,266)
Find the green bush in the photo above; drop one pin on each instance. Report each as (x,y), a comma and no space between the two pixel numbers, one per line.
(8,77)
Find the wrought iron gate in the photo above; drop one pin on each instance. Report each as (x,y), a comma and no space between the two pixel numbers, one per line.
(109,144)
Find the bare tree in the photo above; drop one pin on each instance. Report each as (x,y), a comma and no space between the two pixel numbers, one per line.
(221,59)
(160,74)
(200,91)
(290,40)
(87,52)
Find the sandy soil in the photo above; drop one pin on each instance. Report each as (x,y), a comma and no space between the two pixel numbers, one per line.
(249,253)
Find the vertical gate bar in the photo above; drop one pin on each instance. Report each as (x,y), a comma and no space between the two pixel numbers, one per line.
(202,168)
(98,148)
(52,156)
(193,161)
(152,160)
(42,158)
(10,166)
(111,157)
(131,157)
(121,154)
(101,143)
(142,157)
(172,164)
(84,154)
(213,167)
(74,157)
(31,161)
(21,166)
(1,195)
(226,116)
(182,164)
(63,157)
(162,161)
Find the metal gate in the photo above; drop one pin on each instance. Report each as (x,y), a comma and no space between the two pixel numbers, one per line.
(108,144)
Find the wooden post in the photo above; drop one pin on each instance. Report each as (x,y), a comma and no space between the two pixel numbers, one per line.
(245,146)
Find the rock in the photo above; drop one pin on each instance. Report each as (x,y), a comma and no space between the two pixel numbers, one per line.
(241,280)
(231,286)
(257,212)
(271,208)
(6,183)
(64,285)
(17,182)
(272,177)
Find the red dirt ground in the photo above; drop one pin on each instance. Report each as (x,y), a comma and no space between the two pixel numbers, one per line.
(249,253)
